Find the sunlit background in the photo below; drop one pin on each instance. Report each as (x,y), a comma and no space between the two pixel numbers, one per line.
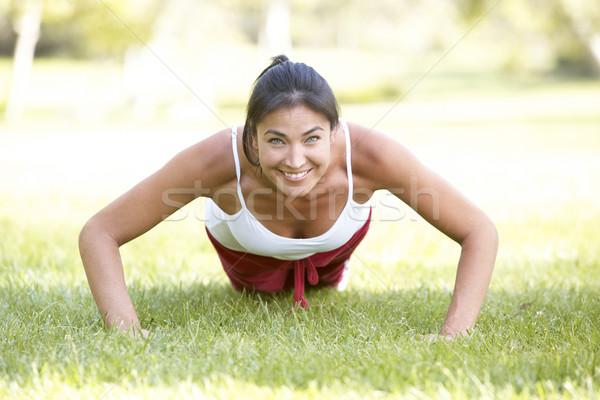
(501,97)
(98,61)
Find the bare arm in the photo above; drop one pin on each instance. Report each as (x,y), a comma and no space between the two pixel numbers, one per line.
(473,276)
(389,165)
(188,175)
(104,271)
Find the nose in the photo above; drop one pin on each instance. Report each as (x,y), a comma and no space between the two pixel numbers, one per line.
(295,157)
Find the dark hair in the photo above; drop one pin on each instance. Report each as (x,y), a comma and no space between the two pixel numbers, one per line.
(285,84)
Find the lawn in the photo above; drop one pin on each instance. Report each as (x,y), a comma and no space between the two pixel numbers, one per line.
(529,156)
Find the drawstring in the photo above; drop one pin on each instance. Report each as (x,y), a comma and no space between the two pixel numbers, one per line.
(313,278)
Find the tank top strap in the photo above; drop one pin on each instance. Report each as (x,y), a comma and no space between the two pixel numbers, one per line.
(236,159)
(348,158)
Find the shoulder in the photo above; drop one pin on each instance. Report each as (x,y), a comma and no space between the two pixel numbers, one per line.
(208,163)
(378,160)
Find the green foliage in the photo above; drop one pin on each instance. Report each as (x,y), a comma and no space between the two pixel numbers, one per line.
(382,92)
(83,28)
(528,36)
(554,36)
(89,28)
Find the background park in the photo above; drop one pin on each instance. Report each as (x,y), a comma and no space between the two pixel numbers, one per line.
(501,97)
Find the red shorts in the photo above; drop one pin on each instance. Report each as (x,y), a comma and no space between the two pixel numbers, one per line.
(267,274)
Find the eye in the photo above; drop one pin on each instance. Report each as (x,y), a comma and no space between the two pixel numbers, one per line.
(312,139)
(276,141)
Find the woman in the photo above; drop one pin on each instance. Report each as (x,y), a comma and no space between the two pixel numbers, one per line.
(291,211)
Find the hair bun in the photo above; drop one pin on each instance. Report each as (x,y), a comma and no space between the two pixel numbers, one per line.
(280,59)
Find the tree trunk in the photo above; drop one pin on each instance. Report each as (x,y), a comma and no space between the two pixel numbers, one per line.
(583,19)
(275,34)
(28,31)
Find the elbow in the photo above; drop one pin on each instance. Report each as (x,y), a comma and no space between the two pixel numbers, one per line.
(86,236)
(94,234)
(90,235)
(492,233)
(486,235)
(483,233)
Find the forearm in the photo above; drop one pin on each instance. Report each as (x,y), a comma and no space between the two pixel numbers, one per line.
(104,270)
(473,277)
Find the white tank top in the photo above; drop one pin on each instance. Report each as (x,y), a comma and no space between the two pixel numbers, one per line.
(243,232)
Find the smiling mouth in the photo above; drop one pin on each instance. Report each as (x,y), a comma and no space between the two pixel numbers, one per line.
(298,175)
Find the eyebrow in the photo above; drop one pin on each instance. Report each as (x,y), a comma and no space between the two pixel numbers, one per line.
(308,132)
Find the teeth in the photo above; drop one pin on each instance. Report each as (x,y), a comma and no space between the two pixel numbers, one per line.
(295,176)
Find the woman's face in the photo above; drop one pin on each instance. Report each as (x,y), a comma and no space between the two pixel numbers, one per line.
(294,148)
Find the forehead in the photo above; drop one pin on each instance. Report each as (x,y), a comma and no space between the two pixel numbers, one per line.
(291,119)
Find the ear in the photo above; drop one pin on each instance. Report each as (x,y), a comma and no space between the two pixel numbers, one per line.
(254,141)
(333,133)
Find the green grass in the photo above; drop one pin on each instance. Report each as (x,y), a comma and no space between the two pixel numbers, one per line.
(529,157)
(537,335)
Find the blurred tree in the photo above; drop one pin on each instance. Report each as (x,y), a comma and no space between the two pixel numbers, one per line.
(82,28)
(75,28)
(567,32)
(95,28)
(177,65)
(7,32)
(582,19)
(274,34)
(28,30)
(266,23)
